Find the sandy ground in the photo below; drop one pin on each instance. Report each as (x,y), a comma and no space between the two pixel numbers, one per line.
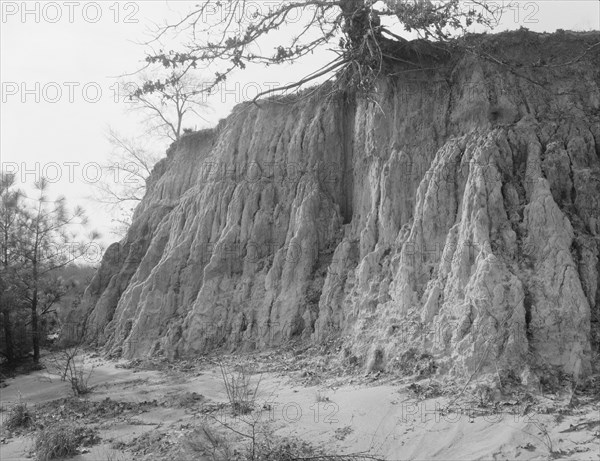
(339,415)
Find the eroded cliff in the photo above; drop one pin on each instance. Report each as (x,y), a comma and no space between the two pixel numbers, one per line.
(456,211)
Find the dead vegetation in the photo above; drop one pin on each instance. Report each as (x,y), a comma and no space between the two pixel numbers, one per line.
(61,428)
(255,442)
(75,409)
(63,440)
(241,392)
(19,417)
(69,365)
(426,390)
(220,446)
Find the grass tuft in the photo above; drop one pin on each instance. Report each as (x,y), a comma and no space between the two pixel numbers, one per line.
(62,441)
(19,417)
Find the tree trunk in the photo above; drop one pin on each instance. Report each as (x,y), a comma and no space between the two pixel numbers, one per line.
(8,341)
(35,335)
(356,21)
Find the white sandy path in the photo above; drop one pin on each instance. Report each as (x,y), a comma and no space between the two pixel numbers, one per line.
(382,424)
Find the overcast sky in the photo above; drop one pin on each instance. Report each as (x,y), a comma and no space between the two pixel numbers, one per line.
(59,61)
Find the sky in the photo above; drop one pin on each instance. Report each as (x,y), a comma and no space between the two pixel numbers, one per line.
(60,61)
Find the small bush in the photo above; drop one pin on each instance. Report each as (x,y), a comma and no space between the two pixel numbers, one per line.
(18,417)
(260,445)
(62,441)
(206,443)
(284,450)
(79,382)
(414,362)
(69,365)
(203,441)
(429,390)
(240,392)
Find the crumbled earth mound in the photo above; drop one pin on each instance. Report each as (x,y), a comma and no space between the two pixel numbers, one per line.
(448,224)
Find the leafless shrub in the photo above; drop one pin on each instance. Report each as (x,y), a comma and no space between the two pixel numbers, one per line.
(204,441)
(69,365)
(240,391)
(260,443)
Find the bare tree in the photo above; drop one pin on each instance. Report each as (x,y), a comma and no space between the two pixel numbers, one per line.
(123,186)
(353,29)
(167,102)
